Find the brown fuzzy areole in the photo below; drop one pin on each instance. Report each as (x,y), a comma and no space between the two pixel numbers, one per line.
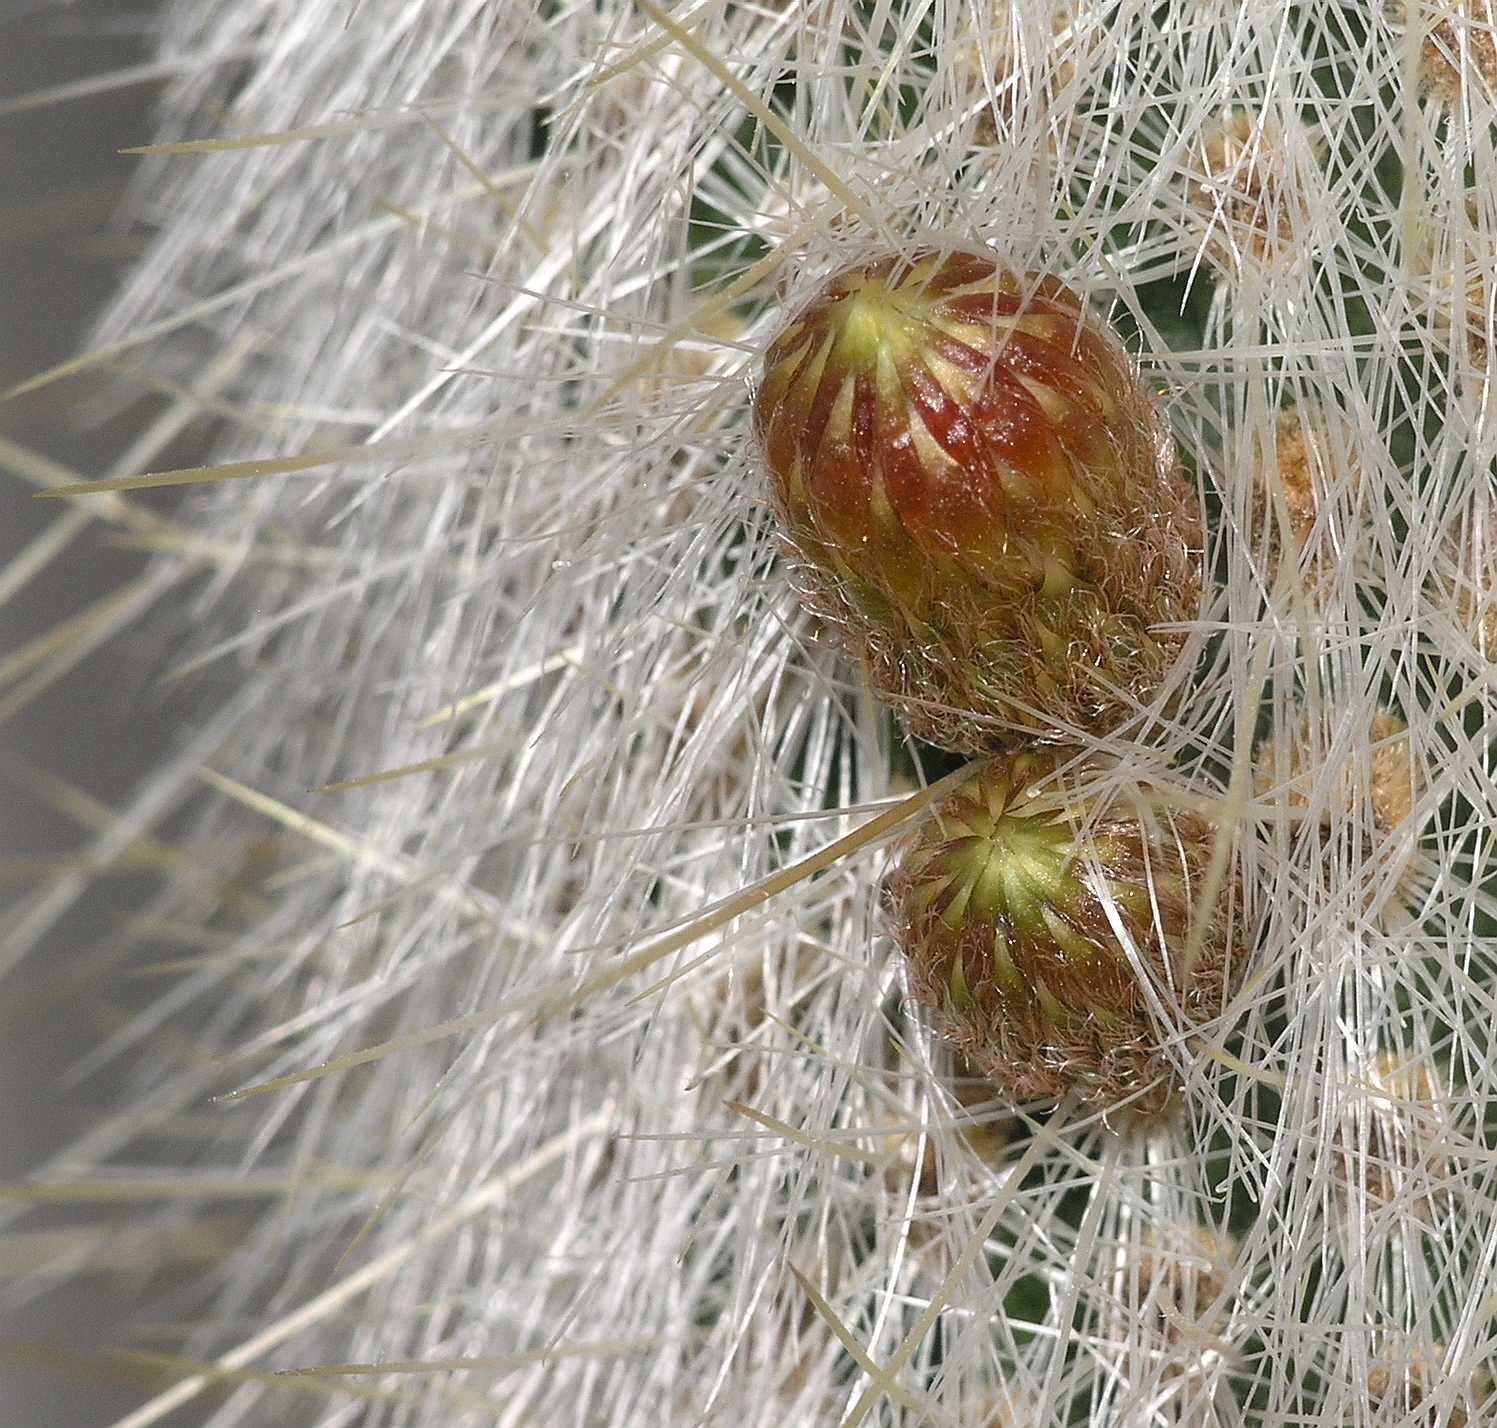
(1389,1149)
(997,62)
(1411,1386)
(1172,1297)
(1469,589)
(1004,905)
(1250,203)
(1394,779)
(1306,465)
(1458,48)
(981,500)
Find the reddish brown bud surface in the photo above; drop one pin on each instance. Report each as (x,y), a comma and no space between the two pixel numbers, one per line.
(1023,918)
(984,501)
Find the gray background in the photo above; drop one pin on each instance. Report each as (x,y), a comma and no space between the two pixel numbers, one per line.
(60,179)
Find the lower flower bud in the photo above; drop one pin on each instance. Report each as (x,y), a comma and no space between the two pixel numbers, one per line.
(1059,943)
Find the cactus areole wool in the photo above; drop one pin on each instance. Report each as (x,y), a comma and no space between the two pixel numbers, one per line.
(982,500)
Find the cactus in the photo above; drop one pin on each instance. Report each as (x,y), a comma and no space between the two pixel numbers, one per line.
(501,926)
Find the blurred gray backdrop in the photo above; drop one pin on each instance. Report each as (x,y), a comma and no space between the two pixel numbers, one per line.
(60,181)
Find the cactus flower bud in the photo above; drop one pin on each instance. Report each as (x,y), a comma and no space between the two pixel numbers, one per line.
(984,502)
(1025,921)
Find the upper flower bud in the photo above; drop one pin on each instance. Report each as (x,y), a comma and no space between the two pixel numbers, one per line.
(983,498)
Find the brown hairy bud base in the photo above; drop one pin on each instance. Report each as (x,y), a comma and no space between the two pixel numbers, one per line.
(983,500)
(1009,904)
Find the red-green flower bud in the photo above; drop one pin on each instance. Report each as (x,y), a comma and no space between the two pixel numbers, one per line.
(1056,941)
(982,497)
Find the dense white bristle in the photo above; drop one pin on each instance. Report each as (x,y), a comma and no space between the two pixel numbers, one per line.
(499,274)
